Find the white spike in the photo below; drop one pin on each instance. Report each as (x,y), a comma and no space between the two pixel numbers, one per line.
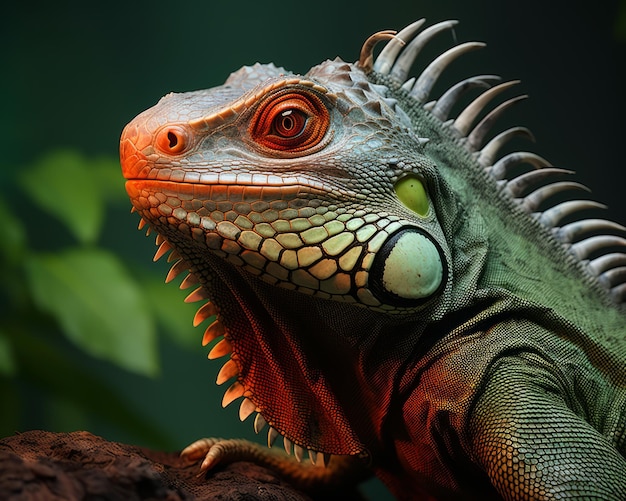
(606,262)
(443,106)
(298,452)
(389,54)
(246,409)
(288,445)
(408,85)
(477,136)
(404,118)
(259,423)
(618,293)
(382,90)
(391,102)
(520,184)
(489,152)
(585,248)
(553,216)
(533,201)
(407,57)
(466,118)
(501,169)
(272,435)
(425,82)
(573,231)
(613,277)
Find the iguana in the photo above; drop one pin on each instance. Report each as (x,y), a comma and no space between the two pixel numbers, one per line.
(392,284)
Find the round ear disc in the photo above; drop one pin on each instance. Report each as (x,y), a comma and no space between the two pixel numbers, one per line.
(408,269)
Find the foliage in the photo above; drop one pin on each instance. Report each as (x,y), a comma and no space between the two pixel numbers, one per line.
(68,302)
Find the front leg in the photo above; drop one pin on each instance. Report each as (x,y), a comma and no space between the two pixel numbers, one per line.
(533,446)
(328,472)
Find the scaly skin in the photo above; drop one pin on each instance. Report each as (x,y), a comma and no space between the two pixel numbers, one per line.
(388,287)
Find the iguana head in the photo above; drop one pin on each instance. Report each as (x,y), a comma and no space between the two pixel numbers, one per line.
(316,220)
(310,183)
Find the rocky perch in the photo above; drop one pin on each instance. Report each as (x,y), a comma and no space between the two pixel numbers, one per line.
(41,465)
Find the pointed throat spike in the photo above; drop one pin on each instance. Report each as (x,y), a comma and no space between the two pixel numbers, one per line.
(176,270)
(272,435)
(246,409)
(213,331)
(259,423)
(220,349)
(207,310)
(234,391)
(228,371)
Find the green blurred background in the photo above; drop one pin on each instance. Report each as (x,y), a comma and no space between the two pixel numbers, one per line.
(90,337)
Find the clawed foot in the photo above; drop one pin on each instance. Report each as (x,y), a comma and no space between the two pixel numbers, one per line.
(214,451)
(202,448)
(219,450)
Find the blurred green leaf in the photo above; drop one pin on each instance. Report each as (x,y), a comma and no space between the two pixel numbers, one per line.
(62,184)
(176,316)
(13,236)
(98,305)
(7,362)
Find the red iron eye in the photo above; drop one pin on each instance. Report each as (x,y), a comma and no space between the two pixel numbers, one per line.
(290,122)
(172,140)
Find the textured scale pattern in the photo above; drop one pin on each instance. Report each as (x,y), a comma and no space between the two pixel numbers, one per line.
(388,282)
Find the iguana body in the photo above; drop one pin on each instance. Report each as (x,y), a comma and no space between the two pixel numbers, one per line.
(389,284)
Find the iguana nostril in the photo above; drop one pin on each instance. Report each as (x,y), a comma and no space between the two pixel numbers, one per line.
(172,140)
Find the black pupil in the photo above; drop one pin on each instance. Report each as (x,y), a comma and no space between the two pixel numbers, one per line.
(287,123)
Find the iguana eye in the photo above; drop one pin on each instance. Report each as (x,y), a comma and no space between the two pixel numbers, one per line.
(411,192)
(290,122)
